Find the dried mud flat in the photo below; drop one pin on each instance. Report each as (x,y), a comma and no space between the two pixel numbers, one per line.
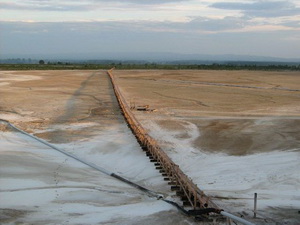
(233,132)
(237,112)
(77,112)
(35,99)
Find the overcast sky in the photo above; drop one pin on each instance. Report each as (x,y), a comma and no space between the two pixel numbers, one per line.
(248,27)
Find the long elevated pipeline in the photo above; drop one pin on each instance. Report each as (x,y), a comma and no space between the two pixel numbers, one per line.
(175,173)
(196,198)
(200,202)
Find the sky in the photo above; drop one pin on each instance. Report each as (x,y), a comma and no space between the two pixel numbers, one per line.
(95,27)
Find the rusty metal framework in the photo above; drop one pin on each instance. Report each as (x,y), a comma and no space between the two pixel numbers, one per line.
(195,197)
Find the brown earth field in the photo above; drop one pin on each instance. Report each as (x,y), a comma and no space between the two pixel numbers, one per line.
(239,112)
(236,112)
(78,112)
(41,99)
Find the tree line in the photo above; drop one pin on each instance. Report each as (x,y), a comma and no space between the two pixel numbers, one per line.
(42,65)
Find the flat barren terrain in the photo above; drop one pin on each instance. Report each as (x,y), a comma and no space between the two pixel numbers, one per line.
(233,132)
(238,112)
(78,113)
(215,93)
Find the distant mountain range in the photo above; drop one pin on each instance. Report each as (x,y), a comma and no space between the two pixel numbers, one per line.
(160,57)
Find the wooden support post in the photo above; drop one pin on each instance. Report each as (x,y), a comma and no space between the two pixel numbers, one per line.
(228,221)
(195,199)
(175,188)
(172,183)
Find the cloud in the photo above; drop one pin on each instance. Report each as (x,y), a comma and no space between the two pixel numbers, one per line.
(44,6)
(200,25)
(226,23)
(294,24)
(145,36)
(145,2)
(67,5)
(261,8)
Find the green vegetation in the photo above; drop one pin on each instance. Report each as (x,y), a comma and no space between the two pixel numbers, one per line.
(146,66)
